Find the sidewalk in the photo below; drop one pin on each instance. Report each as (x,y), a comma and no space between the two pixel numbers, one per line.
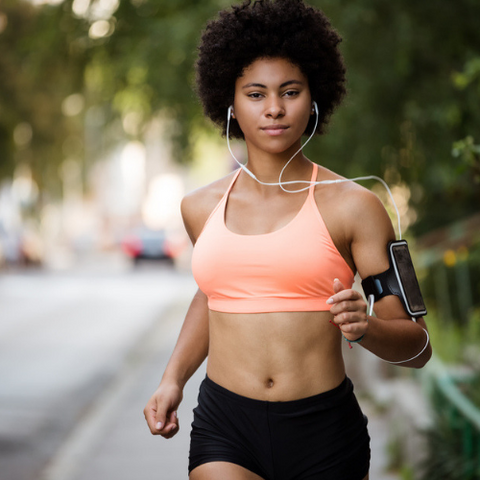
(113,441)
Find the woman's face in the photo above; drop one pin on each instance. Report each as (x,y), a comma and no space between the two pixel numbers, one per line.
(272,104)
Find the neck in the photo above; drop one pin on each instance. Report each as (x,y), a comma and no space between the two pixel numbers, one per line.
(268,166)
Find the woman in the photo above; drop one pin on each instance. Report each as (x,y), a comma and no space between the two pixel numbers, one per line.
(275,269)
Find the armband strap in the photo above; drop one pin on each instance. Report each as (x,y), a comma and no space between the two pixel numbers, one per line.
(381,285)
(399,280)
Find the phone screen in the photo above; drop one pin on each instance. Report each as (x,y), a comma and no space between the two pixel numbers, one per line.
(406,271)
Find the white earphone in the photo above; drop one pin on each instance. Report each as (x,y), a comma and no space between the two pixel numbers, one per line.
(307,182)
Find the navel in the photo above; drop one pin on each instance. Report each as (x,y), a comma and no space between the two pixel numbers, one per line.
(269,383)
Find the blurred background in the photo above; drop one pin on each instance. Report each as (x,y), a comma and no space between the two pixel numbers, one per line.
(101,135)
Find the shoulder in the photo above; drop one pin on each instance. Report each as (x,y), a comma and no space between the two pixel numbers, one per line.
(359,220)
(197,205)
(356,206)
(364,209)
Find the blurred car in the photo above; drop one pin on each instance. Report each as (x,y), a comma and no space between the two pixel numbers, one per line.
(20,248)
(148,244)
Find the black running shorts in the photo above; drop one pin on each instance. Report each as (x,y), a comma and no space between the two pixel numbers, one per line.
(323,437)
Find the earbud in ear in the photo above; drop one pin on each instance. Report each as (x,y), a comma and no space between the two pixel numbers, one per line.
(230,113)
(314,108)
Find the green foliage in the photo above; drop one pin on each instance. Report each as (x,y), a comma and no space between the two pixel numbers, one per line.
(406,107)
(469,153)
(413,78)
(447,338)
(143,64)
(471,389)
(469,76)
(407,473)
(397,459)
(451,289)
(445,459)
(39,70)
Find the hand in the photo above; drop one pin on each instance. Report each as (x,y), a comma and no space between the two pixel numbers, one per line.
(161,410)
(349,311)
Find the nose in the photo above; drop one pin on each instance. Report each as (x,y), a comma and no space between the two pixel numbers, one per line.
(275,108)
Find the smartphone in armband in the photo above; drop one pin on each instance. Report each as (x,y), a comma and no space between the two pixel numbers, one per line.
(400,280)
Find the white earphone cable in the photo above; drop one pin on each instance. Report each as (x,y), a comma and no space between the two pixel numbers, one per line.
(414,357)
(307,182)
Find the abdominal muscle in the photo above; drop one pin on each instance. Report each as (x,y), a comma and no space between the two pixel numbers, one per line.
(275,356)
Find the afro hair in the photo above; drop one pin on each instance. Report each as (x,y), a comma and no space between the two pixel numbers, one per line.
(287,29)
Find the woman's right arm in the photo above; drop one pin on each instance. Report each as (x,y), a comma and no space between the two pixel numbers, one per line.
(189,353)
(192,344)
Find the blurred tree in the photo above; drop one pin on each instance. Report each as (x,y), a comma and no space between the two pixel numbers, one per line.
(74,72)
(68,69)
(470,154)
(413,71)
(37,72)
(147,64)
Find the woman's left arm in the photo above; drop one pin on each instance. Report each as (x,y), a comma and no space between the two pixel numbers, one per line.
(391,335)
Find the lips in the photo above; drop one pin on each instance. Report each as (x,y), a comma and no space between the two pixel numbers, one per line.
(275,129)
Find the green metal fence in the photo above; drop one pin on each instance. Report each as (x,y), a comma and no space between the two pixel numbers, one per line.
(449,264)
(463,421)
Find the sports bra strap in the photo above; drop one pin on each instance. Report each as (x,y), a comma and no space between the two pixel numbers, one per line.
(313,180)
(237,173)
(223,201)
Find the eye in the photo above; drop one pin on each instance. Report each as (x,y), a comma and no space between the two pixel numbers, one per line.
(291,93)
(254,95)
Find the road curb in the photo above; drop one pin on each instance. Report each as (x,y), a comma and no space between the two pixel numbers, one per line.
(81,441)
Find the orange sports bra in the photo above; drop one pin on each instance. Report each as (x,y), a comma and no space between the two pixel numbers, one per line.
(289,270)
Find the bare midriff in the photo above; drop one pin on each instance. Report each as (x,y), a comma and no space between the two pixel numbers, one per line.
(275,356)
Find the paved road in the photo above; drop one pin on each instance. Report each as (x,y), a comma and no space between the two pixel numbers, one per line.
(63,339)
(113,441)
(80,354)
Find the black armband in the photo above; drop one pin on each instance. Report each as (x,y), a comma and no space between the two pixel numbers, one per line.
(400,280)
